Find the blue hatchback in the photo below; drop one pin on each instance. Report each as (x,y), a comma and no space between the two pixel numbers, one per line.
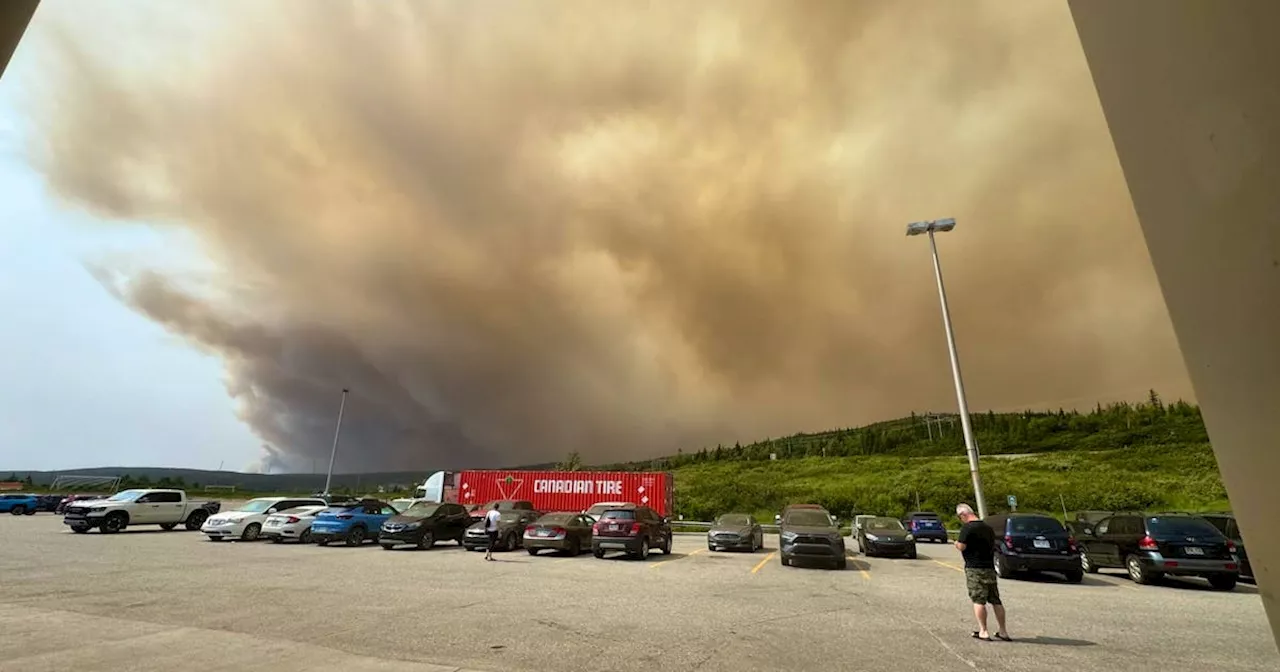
(351,522)
(19,505)
(926,527)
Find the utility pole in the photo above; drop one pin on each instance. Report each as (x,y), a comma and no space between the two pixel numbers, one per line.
(328,479)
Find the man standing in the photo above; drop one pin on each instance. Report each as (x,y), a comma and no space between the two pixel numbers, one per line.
(491,518)
(977,544)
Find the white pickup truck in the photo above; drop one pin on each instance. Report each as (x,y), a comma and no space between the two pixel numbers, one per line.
(166,508)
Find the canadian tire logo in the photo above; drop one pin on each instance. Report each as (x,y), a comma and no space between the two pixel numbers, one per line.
(510,487)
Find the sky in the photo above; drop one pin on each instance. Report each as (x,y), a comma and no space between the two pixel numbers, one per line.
(516,230)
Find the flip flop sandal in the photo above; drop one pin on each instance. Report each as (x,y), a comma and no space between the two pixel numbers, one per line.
(980,638)
(1003,638)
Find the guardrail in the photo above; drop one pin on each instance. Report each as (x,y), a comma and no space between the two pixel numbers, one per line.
(700,526)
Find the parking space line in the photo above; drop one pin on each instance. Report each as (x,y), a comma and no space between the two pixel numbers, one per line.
(762,563)
(861,565)
(670,559)
(948,565)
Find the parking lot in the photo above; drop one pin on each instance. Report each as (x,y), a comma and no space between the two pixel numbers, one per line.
(151,600)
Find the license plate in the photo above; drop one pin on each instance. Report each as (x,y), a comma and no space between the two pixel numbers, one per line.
(609,545)
(612,527)
(1195,550)
(1041,543)
(544,533)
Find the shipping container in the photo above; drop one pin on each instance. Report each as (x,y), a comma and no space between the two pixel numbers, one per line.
(564,490)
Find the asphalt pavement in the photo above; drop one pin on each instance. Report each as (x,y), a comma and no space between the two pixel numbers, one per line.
(151,600)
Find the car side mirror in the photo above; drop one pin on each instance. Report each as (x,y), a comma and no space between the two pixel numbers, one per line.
(666,521)
(777,520)
(1088,531)
(271,510)
(857,526)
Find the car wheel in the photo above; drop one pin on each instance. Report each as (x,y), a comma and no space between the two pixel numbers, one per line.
(388,547)
(842,563)
(1002,566)
(598,553)
(1074,577)
(510,543)
(711,548)
(1223,581)
(114,523)
(251,532)
(911,554)
(427,541)
(305,537)
(79,529)
(322,542)
(1137,572)
(18,510)
(277,540)
(196,520)
(666,545)
(575,548)
(355,536)
(532,551)
(31,512)
(168,527)
(786,562)
(1086,564)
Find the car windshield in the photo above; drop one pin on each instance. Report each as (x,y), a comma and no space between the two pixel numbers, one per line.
(883,524)
(257,505)
(927,522)
(555,518)
(421,510)
(1035,525)
(340,508)
(126,496)
(509,516)
(734,520)
(302,511)
(619,514)
(598,509)
(1182,526)
(809,518)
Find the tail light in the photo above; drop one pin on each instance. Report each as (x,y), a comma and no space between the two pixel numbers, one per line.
(1148,544)
(1071,544)
(530,529)
(557,531)
(1231,546)
(345,516)
(635,529)
(595,528)
(292,519)
(1008,541)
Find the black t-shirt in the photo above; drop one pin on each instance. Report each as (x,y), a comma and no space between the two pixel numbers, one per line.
(979,543)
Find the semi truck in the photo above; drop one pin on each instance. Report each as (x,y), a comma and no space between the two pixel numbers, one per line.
(551,490)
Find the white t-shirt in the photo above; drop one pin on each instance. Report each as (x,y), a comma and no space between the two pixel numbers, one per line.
(491,520)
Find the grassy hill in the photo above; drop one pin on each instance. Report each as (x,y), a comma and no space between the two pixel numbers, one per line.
(1120,456)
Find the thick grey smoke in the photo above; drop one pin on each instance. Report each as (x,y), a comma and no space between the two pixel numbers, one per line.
(516,229)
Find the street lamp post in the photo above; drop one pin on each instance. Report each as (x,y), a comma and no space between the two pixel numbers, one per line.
(336,432)
(971,446)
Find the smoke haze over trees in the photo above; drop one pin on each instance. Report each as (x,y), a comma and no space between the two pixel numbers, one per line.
(517,230)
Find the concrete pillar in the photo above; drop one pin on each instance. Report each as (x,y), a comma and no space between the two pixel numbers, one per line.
(1191,92)
(14,17)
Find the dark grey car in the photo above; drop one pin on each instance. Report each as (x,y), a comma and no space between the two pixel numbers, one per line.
(736,532)
(883,535)
(810,534)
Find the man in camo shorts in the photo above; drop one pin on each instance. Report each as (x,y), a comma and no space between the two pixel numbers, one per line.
(977,544)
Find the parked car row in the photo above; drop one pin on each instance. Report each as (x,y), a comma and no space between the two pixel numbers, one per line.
(1146,545)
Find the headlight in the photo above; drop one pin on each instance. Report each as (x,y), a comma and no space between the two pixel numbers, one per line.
(872,537)
(789,536)
(911,537)
(98,509)
(412,526)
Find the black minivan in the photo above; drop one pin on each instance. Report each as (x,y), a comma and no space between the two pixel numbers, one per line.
(1034,542)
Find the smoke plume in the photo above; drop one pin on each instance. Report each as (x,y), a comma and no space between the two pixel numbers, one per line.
(518,229)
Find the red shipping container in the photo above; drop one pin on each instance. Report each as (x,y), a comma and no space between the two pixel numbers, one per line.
(567,490)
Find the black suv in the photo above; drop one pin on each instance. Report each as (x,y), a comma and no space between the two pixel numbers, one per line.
(1152,545)
(1034,542)
(810,534)
(632,530)
(1226,524)
(423,524)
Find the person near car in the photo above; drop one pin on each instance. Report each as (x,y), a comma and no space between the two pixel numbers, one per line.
(976,543)
(491,519)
